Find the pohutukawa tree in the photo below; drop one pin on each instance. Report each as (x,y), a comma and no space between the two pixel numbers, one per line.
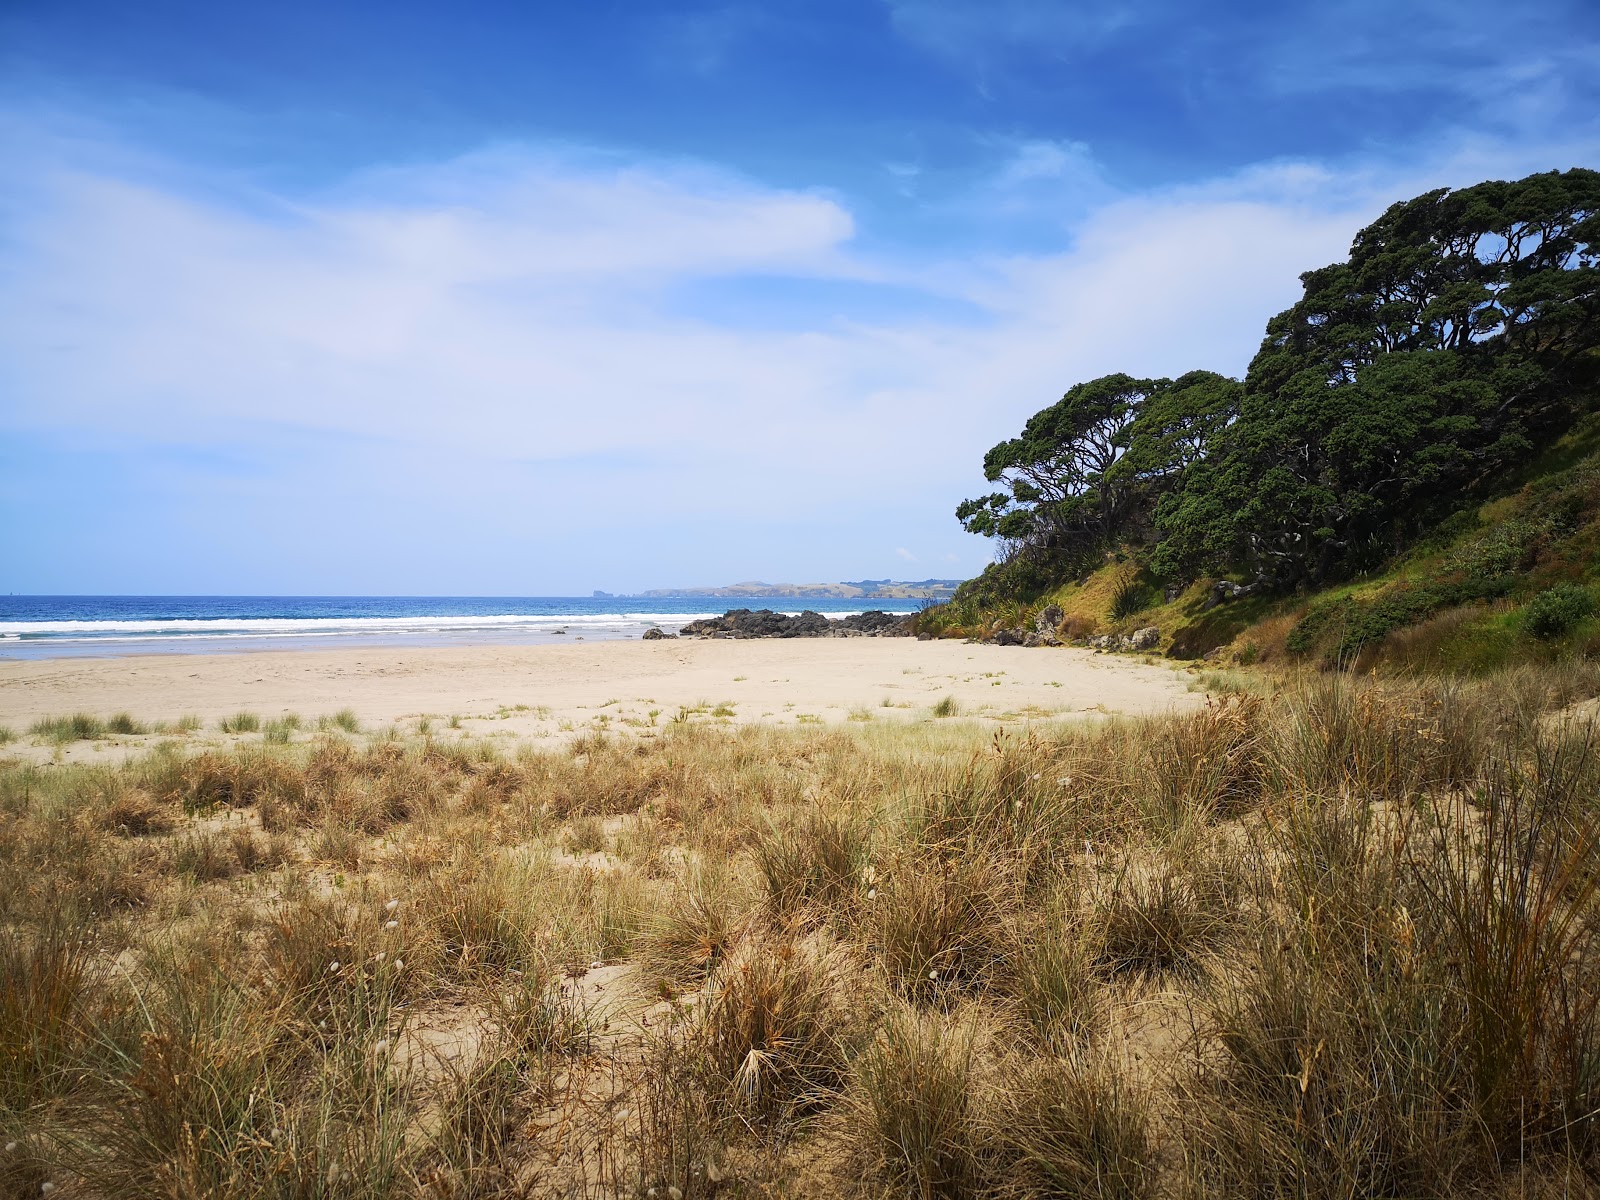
(1462,334)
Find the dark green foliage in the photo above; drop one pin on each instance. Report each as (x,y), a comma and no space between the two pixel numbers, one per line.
(1458,339)
(1555,611)
(1090,467)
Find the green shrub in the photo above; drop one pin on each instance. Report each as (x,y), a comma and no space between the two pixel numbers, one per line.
(1556,610)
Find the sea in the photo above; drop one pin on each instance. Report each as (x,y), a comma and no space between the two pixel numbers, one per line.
(108,626)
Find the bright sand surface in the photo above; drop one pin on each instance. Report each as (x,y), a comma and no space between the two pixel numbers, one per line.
(551,692)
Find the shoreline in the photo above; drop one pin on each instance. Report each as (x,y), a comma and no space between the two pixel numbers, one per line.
(118,636)
(548,692)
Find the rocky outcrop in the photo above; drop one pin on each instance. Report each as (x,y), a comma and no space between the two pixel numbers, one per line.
(764,623)
(1147,638)
(657,635)
(1045,626)
(875,623)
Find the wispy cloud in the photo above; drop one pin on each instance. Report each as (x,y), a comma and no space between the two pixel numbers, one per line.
(1505,71)
(486,357)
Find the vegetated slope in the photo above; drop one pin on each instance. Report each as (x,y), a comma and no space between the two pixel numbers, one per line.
(1413,428)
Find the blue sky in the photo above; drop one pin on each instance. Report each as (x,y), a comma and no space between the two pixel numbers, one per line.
(534,298)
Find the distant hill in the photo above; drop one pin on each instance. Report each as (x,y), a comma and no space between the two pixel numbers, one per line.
(862,589)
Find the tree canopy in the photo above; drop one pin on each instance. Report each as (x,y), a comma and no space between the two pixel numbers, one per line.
(1460,335)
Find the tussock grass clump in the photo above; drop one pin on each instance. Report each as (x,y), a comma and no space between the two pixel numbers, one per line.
(79,727)
(212,780)
(1206,765)
(701,920)
(936,923)
(781,1017)
(538,1015)
(124,723)
(817,859)
(345,719)
(205,855)
(280,731)
(913,1124)
(1075,1126)
(240,722)
(1155,922)
(52,982)
(947,706)
(1052,978)
(133,812)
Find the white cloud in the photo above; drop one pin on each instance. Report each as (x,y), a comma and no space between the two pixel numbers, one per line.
(495,341)
(902,552)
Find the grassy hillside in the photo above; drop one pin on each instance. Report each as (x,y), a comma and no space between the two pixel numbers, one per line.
(1512,580)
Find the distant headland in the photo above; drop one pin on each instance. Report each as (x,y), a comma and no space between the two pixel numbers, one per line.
(858,589)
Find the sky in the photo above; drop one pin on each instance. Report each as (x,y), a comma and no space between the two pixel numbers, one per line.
(534,298)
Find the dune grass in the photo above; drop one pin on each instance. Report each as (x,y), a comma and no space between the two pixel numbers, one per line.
(1338,939)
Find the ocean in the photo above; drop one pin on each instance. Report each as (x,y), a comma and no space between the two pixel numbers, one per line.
(106,626)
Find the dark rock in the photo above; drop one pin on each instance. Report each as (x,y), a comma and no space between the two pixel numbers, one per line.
(763,623)
(877,623)
(1048,621)
(1010,637)
(656,635)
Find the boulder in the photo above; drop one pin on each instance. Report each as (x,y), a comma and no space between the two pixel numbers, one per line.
(1010,637)
(655,635)
(1147,638)
(1048,621)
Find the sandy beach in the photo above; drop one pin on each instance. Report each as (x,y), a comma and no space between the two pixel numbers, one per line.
(547,692)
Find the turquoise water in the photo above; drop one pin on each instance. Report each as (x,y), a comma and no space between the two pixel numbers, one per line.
(63,626)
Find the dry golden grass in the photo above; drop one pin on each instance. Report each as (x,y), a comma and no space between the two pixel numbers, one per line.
(1339,939)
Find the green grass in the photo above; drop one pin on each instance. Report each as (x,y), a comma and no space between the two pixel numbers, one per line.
(345,719)
(281,730)
(79,727)
(240,722)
